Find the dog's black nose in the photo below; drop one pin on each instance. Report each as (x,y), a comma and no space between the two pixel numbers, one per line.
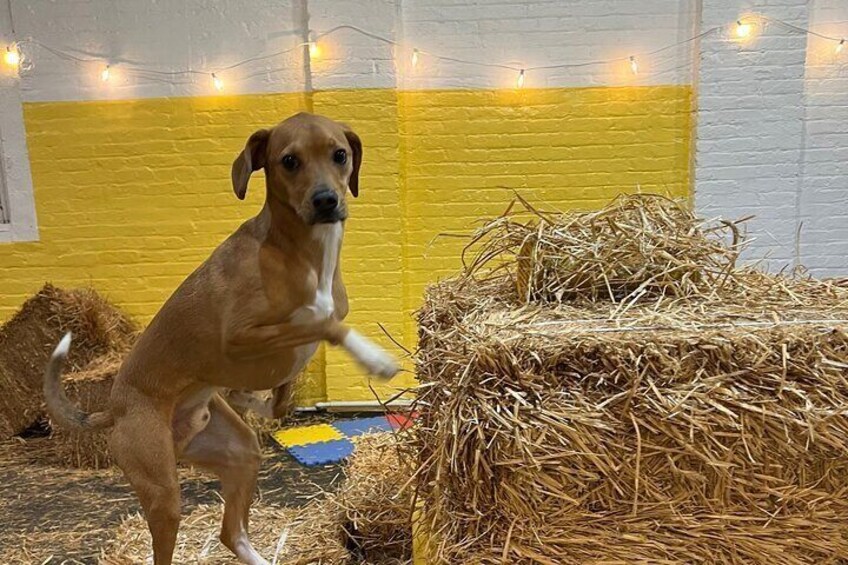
(325,201)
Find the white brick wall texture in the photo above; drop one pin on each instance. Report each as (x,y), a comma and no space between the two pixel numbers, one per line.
(823,213)
(750,132)
(772,138)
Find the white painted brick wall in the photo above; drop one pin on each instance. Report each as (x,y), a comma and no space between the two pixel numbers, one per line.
(167,35)
(536,33)
(351,60)
(824,197)
(750,131)
(207,36)
(772,136)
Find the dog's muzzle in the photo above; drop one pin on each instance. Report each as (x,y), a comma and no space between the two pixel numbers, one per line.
(326,210)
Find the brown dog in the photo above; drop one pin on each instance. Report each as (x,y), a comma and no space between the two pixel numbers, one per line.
(250,317)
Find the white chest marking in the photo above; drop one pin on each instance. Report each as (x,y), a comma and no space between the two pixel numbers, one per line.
(329,238)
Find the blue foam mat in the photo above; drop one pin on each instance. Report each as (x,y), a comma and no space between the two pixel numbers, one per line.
(358,426)
(322,453)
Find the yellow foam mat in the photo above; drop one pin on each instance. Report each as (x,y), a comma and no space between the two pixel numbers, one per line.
(305,435)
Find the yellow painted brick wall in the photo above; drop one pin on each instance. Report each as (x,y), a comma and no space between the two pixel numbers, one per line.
(132,195)
(372,257)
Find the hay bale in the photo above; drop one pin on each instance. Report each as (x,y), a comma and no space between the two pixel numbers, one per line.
(703,419)
(90,389)
(27,339)
(643,244)
(377,498)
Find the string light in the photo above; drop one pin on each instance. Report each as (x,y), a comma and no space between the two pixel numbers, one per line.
(742,30)
(104,74)
(12,57)
(217,83)
(314,48)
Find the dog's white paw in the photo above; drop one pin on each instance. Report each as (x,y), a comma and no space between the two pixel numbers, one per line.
(371,356)
(245,552)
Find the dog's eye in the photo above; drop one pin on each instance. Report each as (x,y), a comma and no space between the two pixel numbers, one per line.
(340,156)
(290,162)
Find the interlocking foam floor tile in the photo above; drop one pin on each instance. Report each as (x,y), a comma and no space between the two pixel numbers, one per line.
(304,435)
(359,426)
(322,453)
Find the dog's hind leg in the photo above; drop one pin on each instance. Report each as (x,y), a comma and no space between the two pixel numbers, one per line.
(142,446)
(228,448)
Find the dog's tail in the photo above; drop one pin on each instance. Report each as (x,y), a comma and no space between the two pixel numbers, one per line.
(60,408)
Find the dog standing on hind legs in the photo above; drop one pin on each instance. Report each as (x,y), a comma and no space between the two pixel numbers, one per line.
(250,317)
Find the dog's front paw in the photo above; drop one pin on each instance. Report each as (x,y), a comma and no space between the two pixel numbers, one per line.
(383,366)
(371,356)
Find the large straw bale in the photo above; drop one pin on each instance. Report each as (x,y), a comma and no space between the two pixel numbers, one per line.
(694,412)
(27,339)
(90,389)
(377,497)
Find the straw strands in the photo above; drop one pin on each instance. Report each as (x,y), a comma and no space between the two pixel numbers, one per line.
(366,523)
(284,535)
(653,405)
(28,338)
(641,245)
(376,499)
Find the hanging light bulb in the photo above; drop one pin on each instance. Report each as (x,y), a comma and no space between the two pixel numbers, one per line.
(415,55)
(105,74)
(634,67)
(217,83)
(314,48)
(12,57)
(520,81)
(841,47)
(743,30)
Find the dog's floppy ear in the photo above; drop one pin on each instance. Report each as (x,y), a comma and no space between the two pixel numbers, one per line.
(252,158)
(356,147)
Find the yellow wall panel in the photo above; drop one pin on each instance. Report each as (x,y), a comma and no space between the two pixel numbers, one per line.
(372,257)
(132,195)
(576,148)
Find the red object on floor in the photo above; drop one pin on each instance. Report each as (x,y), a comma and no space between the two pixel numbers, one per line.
(401,421)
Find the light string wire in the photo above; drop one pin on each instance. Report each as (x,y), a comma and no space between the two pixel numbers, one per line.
(156,74)
(798,29)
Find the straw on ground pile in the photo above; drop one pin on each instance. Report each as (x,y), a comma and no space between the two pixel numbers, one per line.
(612,388)
(27,339)
(367,522)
